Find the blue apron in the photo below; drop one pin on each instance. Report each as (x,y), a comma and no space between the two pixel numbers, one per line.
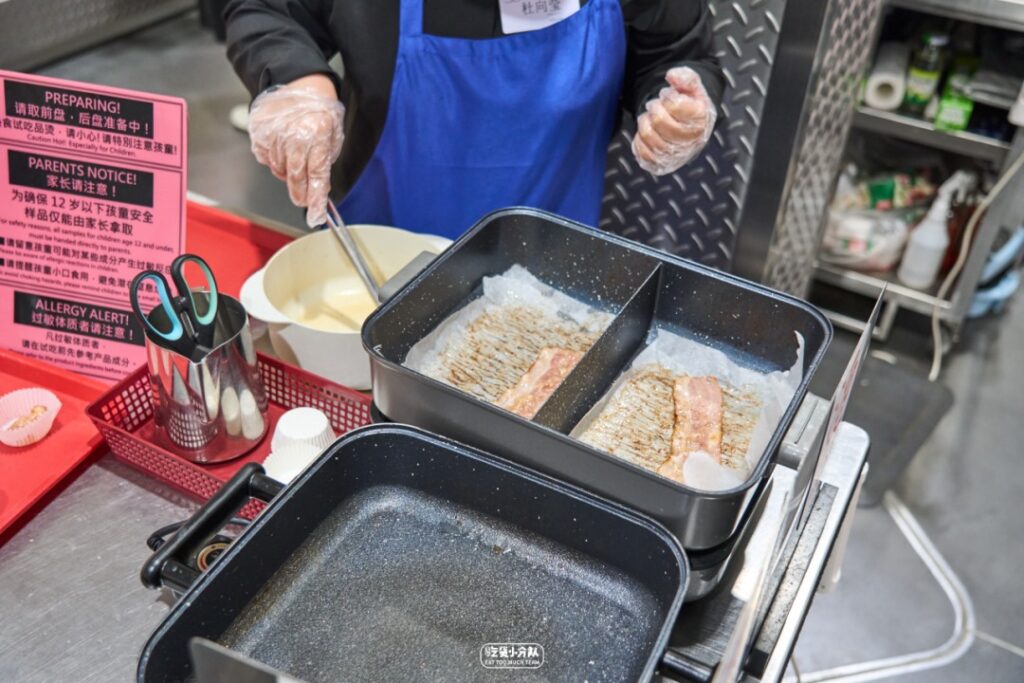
(478,125)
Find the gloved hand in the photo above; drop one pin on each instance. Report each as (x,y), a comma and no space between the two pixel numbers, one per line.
(296,131)
(676,125)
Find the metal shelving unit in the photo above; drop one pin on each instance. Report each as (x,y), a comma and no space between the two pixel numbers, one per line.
(991,101)
(924,133)
(1001,13)
(897,296)
(1006,212)
(871,284)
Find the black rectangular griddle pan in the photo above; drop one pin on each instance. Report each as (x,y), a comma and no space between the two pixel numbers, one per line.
(398,555)
(647,290)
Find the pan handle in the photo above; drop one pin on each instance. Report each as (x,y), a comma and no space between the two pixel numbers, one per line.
(678,667)
(167,566)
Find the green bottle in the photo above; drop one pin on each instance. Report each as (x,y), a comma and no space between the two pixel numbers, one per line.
(925,72)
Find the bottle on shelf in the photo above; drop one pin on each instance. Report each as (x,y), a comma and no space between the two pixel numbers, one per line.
(925,72)
(930,239)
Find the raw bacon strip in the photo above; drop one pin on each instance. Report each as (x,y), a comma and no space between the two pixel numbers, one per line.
(698,423)
(535,387)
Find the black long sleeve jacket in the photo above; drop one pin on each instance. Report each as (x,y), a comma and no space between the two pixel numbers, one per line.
(273,42)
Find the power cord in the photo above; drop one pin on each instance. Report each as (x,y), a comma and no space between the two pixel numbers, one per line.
(965,246)
(796,669)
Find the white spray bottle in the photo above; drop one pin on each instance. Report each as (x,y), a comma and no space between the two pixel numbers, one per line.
(930,239)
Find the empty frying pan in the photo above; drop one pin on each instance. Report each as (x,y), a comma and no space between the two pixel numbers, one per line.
(400,555)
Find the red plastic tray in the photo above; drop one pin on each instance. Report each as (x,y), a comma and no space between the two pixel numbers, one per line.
(124,416)
(28,474)
(234,247)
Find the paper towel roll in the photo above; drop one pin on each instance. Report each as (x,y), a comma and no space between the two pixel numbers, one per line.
(1017,110)
(888,80)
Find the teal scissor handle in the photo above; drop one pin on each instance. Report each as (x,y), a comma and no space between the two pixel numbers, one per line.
(202,322)
(177,331)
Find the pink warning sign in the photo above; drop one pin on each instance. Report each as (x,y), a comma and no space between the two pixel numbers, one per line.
(92,190)
(107,122)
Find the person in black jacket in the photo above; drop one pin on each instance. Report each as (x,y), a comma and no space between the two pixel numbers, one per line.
(449,109)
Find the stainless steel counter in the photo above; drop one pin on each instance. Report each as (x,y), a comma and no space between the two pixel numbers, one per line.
(74,609)
(73,606)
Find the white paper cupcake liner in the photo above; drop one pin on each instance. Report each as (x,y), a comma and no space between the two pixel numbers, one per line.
(22,403)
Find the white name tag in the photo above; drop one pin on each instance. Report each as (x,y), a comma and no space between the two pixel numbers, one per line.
(519,16)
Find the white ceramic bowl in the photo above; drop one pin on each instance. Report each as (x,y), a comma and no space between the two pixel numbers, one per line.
(315,303)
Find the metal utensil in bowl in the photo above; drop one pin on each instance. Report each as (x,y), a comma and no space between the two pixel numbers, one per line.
(341,231)
(314,302)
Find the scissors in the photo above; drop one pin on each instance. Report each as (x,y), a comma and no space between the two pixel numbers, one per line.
(189,329)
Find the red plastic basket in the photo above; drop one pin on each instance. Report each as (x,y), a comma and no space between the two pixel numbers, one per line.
(124,416)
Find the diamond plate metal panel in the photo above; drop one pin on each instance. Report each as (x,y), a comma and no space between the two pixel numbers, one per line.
(693,213)
(35,31)
(842,60)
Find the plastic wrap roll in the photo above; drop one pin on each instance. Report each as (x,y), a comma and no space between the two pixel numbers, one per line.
(888,80)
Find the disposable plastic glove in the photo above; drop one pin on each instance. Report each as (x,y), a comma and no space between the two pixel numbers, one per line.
(297,133)
(676,125)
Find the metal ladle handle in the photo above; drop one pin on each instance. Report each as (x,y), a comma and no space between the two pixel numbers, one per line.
(341,231)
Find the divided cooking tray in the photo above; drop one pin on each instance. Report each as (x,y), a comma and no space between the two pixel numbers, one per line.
(646,290)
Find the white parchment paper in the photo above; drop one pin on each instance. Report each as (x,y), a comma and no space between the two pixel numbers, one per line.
(689,357)
(515,287)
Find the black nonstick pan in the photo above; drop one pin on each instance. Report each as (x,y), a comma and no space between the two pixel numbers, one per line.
(399,555)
